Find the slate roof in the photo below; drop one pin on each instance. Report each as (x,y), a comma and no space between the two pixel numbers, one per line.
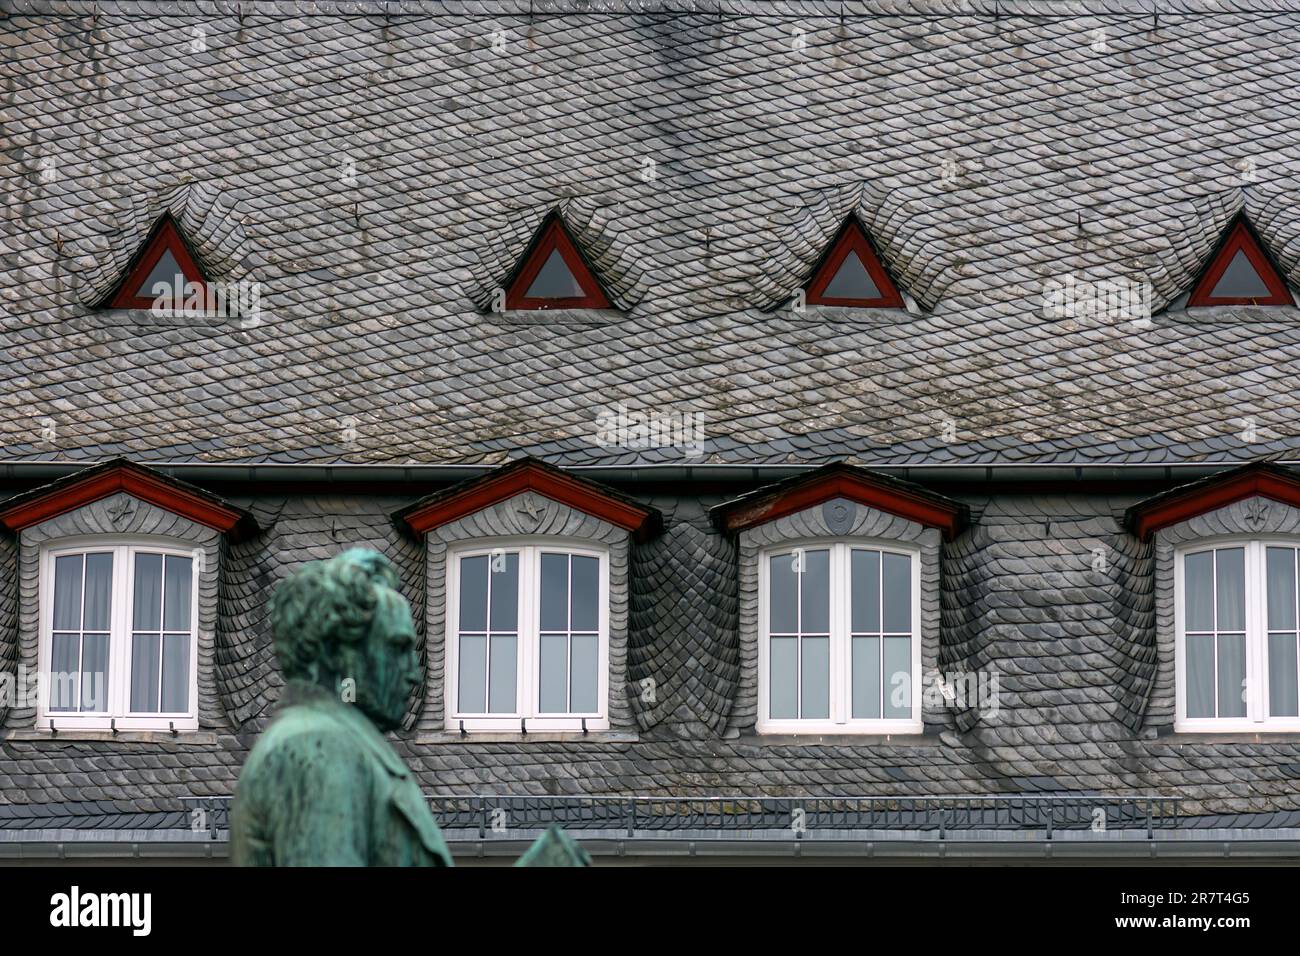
(702,155)
(703,158)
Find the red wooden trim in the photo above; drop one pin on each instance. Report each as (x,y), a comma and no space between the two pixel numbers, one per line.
(1240,236)
(528,477)
(895,501)
(554,235)
(137,483)
(1198,501)
(164,236)
(852,238)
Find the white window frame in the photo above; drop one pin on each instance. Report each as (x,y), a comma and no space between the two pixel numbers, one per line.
(118,713)
(1257,704)
(527,689)
(841,675)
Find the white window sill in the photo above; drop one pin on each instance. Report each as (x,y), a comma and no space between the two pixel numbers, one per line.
(122,736)
(533,736)
(1238,728)
(788,728)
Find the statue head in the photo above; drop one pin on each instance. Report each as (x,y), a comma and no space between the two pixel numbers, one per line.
(340,624)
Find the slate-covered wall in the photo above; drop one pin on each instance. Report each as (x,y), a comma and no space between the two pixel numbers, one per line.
(1022,592)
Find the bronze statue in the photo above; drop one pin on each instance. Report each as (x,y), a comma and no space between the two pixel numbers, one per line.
(322,786)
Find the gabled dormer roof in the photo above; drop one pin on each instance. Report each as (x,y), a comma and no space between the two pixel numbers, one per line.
(553,273)
(851,273)
(1240,272)
(1258,479)
(162,257)
(529,474)
(890,495)
(121,475)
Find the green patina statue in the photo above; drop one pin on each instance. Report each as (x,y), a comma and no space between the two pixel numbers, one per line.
(322,786)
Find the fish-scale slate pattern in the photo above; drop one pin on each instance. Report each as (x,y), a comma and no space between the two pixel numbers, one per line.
(297,530)
(374,171)
(683,645)
(363,161)
(1050,595)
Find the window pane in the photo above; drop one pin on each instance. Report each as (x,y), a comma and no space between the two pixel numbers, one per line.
(67,592)
(586,586)
(816,678)
(554,280)
(473,593)
(584,673)
(1200,674)
(1198,582)
(1281,588)
(502,698)
(783,600)
(554,668)
(852,281)
(94,672)
(505,591)
(1240,280)
(166,270)
(1283,700)
(471,689)
(99,585)
(1230,578)
(816,587)
(898,676)
(866,677)
(63,671)
(555,592)
(176,600)
(1232,675)
(896,571)
(784,676)
(865,570)
(148,592)
(175,673)
(144,673)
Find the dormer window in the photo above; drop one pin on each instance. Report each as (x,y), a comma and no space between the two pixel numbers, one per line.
(163,274)
(118,626)
(851,274)
(553,274)
(1241,272)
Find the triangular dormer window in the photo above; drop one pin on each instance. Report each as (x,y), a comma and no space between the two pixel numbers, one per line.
(163,260)
(553,274)
(851,274)
(1240,272)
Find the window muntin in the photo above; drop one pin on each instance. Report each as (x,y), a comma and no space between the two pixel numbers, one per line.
(118,628)
(1238,623)
(839,647)
(528,637)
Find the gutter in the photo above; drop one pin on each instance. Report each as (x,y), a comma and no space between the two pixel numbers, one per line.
(418,473)
(1208,846)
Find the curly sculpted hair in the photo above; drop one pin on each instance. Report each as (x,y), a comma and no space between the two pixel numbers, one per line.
(324,608)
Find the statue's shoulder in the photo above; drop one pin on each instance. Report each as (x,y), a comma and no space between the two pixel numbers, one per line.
(308,736)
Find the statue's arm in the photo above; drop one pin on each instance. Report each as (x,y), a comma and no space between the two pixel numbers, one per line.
(319,813)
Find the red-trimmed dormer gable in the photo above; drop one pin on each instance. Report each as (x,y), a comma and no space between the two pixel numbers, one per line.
(162,257)
(900,498)
(1241,272)
(529,474)
(1259,479)
(850,273)
(553,274)
(120,475)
